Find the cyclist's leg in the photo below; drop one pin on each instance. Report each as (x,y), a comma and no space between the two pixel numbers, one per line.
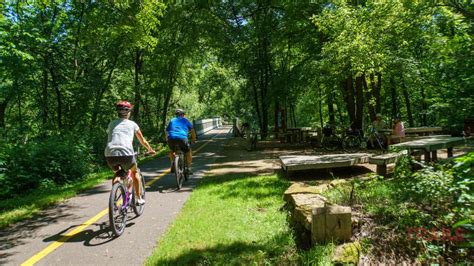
(188,155)
(189,158)
(136,180)
(172,145)
(115,166)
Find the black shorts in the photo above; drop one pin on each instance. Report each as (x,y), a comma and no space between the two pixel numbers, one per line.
(179,144)
(126,162)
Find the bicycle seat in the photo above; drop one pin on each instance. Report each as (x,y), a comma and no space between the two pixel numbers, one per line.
(122,173)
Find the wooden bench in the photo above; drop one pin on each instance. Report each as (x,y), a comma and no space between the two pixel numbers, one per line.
(383,160)
(313,162)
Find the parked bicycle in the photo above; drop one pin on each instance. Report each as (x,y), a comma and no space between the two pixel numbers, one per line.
(377,139)
(123,199)
(330,140)
(354,140)
(180,167)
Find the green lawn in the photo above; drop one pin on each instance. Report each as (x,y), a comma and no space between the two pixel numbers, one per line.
(234,219)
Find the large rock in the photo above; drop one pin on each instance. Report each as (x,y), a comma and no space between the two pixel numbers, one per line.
(303,206)
(331,223)
(301,188)
(348,253)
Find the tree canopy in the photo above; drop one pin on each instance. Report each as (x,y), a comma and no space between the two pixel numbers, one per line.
(65,62)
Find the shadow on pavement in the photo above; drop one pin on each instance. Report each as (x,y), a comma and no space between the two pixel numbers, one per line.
(95,235)
(17,234)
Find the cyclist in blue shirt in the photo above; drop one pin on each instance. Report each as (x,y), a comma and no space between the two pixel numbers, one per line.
(176,135)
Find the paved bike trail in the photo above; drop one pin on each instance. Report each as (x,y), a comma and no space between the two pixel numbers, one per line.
(76,232)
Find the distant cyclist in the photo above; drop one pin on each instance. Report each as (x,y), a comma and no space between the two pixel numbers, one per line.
(119,150)
(177,133)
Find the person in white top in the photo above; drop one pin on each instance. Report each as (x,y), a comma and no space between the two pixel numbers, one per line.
(119,151)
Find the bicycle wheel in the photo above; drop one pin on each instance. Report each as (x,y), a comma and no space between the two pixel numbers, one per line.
(117,210)
(178,170)
(138,209)
(330,143)
(351,143)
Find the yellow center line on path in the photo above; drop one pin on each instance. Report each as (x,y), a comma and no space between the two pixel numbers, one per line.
(56,244)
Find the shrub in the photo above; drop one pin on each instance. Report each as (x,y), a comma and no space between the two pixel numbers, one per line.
(44,163)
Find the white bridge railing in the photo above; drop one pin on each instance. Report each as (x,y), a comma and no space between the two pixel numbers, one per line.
(204,125)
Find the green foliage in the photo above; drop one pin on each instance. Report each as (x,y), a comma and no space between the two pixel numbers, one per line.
(44,164)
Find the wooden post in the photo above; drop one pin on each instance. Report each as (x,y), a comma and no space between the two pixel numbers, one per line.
(427,156)
(382,170)
(450,152)
(434,155)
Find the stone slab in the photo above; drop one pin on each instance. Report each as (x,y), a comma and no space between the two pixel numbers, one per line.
(301,188)
(331,223)
(307,162)
(303,206)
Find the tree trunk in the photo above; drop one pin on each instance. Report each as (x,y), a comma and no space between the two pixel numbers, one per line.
(370,98)
(138,96)
(332,118)
(257,105)
(320,108)
(102,90)
(277,118)
(378,97)
(3,108)
(359,112)
(172,71)
(55,85)
(424,108)
(44,98)
(393,91)
(408,105)
(349,98)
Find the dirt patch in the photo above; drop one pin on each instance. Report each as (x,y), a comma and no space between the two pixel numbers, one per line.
(238,160)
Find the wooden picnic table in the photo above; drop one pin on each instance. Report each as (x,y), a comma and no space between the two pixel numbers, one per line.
(415,130)
(297,134)
(431,145)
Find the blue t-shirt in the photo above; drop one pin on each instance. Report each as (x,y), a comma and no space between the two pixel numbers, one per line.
(178,128)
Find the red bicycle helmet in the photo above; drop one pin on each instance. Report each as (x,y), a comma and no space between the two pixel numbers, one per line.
(123,106)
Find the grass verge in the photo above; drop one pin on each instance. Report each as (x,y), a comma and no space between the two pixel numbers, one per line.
(234,219)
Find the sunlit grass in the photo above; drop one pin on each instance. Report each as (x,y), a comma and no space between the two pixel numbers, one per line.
(232,219)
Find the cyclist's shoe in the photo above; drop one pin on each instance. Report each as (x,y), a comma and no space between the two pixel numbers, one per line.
(189,171)
(140,201)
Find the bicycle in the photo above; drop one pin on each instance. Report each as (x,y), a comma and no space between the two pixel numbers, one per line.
(380,139)
(330,140)
(122,200)
(180,167)
(354,140)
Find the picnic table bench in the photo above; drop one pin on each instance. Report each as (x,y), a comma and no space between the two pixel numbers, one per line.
(309,162)
(383,160)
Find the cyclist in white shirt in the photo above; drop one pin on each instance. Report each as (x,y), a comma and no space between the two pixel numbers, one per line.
(119,150)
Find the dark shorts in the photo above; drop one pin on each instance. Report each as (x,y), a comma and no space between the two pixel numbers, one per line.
(126,162)
(179,144)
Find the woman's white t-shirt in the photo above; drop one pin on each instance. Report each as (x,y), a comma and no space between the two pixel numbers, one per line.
(120,137)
